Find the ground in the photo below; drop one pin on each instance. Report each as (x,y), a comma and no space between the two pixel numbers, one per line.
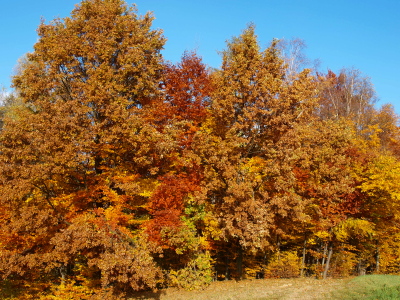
(290,289)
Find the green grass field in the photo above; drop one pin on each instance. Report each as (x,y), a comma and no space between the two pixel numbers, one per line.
(370,287)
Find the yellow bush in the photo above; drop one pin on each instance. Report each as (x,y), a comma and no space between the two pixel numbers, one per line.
(283,265)
(71,291)
(197,274)
(343,264)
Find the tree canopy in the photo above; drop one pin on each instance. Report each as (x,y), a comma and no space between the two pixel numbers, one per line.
(120,171)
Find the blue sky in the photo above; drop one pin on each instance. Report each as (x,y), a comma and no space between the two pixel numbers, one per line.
(363,34)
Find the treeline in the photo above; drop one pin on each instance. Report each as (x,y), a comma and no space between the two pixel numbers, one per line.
(120,171)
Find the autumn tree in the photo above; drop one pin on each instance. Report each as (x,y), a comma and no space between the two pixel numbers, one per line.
(119,170)
(293,54)
(73,160)
(380,184)
(176,208)
(252,109)
(323,166)
(387,121)
(348,94)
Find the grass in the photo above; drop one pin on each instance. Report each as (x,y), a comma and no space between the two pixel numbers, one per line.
(369,287)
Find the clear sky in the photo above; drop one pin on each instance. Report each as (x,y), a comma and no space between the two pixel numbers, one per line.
(364,34)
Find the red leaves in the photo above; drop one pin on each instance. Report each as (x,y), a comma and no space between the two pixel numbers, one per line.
(186,92)
(172,192)
(110,143)
(187,88)
(168,201)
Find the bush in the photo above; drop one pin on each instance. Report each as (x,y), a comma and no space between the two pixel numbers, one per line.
(71,291)
(283,265)
(343,264)
(197,274)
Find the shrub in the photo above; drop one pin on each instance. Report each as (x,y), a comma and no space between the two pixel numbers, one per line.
(283,265)
(197,274)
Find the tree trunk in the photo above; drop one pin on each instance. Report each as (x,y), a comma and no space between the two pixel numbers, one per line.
(315,261)
(239,263)
(324,254)
(377,260)
(323,259)
(263,265)
(328,260)
(227,267)
(361,267)
(303,260)
(63,274)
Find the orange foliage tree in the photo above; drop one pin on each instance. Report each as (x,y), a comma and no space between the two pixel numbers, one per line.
(74,157)
(252,110)
(119,171)
(177,204)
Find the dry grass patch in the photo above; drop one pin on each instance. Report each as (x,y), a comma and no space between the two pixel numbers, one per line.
(299,288)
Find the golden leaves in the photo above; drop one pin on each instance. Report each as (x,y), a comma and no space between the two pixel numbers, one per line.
(109,142)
